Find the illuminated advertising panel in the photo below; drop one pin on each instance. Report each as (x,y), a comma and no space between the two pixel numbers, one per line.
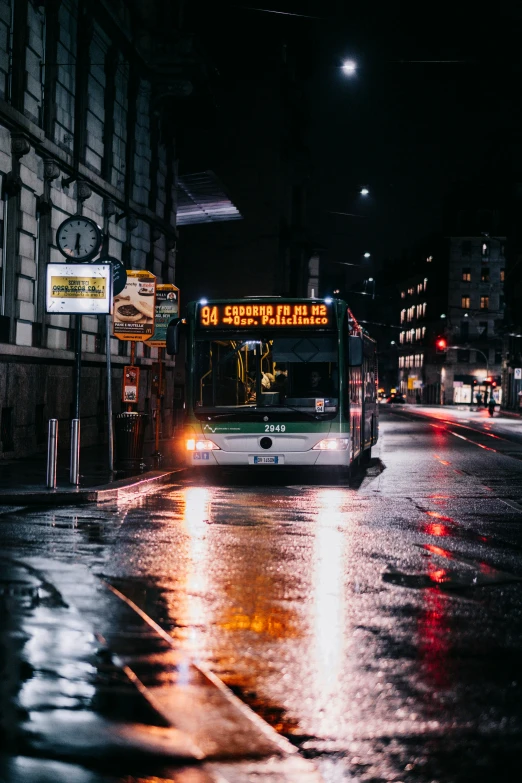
(265,314)
(80,289)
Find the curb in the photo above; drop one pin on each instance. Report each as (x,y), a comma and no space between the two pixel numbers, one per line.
(117,490)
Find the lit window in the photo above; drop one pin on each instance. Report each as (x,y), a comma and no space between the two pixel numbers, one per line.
(466,275)
(425,283)
(401,337)
(418,334)
(484,302)
(502,275)
(424,331)
(403,316)
(485,249)
(484,275)
(429,259)
(419,288)
(424,306)
(421,359)
(419,311)
(465,302)
(401,361)
(403,294)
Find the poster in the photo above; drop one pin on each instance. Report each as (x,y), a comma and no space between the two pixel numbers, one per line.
(80,289)
(131,384)
(134,307)
(167,307)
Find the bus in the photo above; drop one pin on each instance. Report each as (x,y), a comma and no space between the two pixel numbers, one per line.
(276,381)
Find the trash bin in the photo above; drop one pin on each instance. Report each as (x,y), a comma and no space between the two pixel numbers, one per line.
(129,436)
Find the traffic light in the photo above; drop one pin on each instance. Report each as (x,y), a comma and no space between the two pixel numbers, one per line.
(441,345)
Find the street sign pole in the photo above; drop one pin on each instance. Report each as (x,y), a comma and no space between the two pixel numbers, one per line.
(157,455)
(77,365)
(167,307)
(119,278)
(108,357)
(74,464)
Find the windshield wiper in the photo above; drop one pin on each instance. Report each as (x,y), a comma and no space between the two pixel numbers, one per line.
(264,411)
(314,416)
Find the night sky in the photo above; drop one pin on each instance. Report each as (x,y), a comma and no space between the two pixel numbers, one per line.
(406,129)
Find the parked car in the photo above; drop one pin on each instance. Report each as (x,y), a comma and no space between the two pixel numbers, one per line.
(394,399)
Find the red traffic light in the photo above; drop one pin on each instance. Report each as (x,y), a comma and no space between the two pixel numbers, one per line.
(441,344)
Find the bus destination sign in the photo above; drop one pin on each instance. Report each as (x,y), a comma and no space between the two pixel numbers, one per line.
(223,316)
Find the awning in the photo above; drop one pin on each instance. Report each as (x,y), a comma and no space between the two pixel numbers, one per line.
(202,199)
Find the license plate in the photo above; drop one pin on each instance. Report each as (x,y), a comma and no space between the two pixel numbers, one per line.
(262,460)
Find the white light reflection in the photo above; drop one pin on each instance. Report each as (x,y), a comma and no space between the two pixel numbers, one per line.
(195,518)
(329,610)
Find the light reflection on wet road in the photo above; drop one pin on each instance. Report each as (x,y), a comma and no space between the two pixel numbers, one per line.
(378,626)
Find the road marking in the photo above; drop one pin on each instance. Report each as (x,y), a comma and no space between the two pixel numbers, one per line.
(511,504)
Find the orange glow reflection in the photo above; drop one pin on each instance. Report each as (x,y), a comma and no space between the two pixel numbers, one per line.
(434,529)
(438,515)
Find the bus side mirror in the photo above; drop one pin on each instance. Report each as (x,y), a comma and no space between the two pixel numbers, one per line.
(355,351)
(173,333)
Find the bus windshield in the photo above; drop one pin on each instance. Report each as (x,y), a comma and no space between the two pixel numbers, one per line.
(254,372)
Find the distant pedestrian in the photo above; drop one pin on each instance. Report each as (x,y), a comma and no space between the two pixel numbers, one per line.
(479,399)
(491,405)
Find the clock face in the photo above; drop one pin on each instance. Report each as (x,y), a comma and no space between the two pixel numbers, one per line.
(78,237)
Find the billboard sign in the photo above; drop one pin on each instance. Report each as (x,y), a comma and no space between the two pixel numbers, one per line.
(134,307)
(167,307)
(79,289)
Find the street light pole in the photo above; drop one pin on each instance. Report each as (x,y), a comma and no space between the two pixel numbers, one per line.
(468,348)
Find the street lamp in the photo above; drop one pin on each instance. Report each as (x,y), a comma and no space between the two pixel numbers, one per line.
(470,348)
(364,192)
(372,281)
(349,67)
(367,255)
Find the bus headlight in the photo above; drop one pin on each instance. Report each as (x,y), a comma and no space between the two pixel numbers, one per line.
(200,445)
(333,444)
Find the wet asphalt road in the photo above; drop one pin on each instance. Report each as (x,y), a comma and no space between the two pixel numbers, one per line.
(378,626)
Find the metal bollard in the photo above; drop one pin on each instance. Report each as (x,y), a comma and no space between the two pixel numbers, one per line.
(52,453)
(74,472)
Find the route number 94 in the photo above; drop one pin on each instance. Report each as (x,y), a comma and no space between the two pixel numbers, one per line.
(275,427)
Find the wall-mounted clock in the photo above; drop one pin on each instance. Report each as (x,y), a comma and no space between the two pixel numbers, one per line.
(79,237)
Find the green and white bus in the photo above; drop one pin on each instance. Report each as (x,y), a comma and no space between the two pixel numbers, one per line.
(276,381)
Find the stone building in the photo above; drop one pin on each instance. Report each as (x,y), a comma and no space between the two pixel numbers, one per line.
(88,92)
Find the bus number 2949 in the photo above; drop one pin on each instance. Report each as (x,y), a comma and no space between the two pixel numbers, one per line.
(275,427)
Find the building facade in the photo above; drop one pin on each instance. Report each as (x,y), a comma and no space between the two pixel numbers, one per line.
(86,95)
(452,311)
(475,322)
(422,299)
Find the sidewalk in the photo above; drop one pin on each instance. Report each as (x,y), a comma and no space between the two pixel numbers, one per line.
(95,691)
(23,481)
(465,408)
